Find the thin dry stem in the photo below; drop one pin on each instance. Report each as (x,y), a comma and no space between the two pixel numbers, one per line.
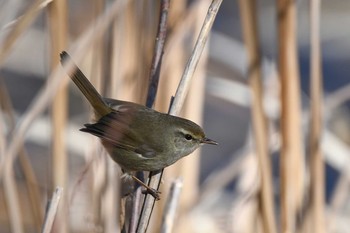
(126,59)
(184,84)
(20,26)
(250,31)
(171,71)
(31,181)
(316,157)
(337,98)
(98,57)
(57,17)
(221,178)
(51,213)
(98,73)
(12,202)
(111,200)
(158,53)
(10,191)
(152,92)
(292,162)
(189,167)
(54,81)
(338,200)
(183,25)
(171,206)
(178,102)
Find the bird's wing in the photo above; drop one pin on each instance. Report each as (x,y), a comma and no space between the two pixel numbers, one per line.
(115,129)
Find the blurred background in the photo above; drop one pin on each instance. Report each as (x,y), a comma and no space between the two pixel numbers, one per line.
(265,174)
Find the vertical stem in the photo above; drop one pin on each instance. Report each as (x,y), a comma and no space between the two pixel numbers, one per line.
(47,93)
(189,167)
(51,213)
(31,181)
(12,201)
(97,77)
(292,158)
(250,31)
(111,199)
(171,206)
(98,51)
(58,30)
(9,185)
(23,22)
(192,63)
(179,99)
(154,76)
(316,158)
(158,53)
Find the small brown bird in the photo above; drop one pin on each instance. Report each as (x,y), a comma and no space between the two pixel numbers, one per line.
(138,138)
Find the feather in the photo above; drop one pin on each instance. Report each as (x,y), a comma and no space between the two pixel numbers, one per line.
(114,129)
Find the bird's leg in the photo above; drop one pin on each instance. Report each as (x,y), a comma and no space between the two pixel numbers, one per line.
(155,193)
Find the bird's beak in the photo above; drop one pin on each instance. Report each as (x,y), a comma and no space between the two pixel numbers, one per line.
(208,141)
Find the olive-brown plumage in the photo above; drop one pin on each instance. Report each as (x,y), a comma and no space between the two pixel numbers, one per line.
(136,137)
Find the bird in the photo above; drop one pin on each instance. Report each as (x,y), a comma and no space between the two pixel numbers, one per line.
(136,137)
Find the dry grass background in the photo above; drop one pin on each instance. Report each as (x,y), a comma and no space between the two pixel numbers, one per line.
(113,43)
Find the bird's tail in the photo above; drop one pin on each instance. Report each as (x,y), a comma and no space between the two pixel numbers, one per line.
(89,91)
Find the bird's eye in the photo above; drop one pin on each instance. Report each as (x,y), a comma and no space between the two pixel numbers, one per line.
(188,137)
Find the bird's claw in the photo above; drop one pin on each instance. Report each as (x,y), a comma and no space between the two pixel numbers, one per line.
(155,193)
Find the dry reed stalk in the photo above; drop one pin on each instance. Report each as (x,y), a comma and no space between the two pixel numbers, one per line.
(20,25)
(147,21)
(2,126)
(188,167)
(338,201)
(337,98)
(176,42)
(124,77)
(172,68)
(12,201)
(121,64)
(110,196)
(98,57)
(57,18)
(246,216)
(51,213)
(193,61)
(111,200)
(56,77)
(44,97)
(99,175)
(106,184)
(178,101)
(154,74)
(8,14)
(99,181)
(219,179)
(178,10)
(222,177)
(116,57)
(125,55)
(292,157)
(317,170)
(173,64)
(158,54)
(10,189)
(250,34)
(171,206)
(31,181)
(98,51)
